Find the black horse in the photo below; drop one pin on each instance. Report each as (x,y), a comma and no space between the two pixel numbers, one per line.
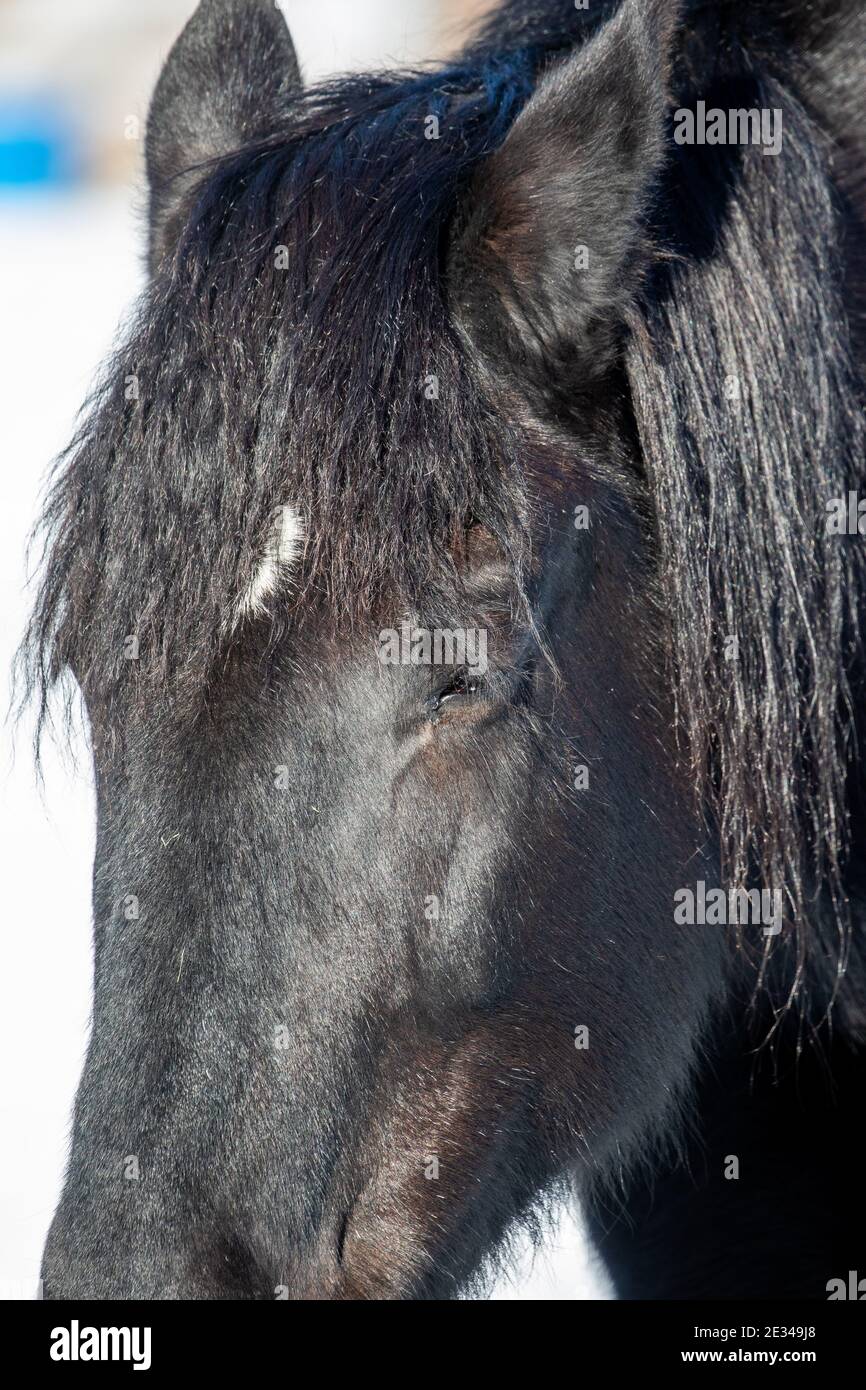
(560,347)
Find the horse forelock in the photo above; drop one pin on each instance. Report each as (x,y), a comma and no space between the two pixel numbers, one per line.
(296,353)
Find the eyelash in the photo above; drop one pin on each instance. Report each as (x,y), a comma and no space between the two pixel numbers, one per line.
(461,686)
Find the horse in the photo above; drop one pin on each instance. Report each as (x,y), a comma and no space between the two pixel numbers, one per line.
(559,344)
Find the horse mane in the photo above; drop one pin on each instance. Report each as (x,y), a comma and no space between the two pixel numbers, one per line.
(749,407)
(332,378)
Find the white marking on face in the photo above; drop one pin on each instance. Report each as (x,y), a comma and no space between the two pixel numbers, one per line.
(283,548)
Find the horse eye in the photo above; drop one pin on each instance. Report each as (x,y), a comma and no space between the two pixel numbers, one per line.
(461,685)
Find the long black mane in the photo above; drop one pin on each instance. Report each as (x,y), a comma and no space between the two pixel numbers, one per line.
(750,416)
(300,348)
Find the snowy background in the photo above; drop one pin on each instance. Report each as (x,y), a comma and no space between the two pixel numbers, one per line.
(71,240)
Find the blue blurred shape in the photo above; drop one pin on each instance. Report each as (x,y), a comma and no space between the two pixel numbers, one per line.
(37,145)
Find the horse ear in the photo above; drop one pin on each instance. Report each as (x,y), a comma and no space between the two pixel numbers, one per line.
(222,84)
(551,239)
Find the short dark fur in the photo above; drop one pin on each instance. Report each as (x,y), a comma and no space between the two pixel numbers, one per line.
(315,262)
